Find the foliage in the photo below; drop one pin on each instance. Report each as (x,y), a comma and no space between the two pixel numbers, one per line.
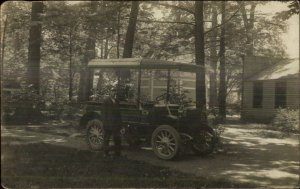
(213,120)
(219,130)
(293,6)
(163,40)
(105,82)
(175,97)
(170,36)
(17,15)
(26,106)
(27,95)
(286,120)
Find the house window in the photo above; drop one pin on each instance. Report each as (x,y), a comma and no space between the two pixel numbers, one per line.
(257,94)
(280,94)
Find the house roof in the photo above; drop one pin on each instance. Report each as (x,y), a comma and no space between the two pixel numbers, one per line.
(139,63)
(285,69)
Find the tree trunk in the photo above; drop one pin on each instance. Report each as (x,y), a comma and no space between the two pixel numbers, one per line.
(3,42)
(70,66)
(129,40)
(102,49)
(222,87)
(84,83)
(118,32)
(249,25)
(35,38)
(200,58)
(124,75)
(106,45)
(213,62)
(250,30)
(17,44)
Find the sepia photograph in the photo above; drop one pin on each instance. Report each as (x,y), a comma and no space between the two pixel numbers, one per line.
(150,94)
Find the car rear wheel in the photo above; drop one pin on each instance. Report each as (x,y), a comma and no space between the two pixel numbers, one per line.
(204,142)
(165,142)
(95,134)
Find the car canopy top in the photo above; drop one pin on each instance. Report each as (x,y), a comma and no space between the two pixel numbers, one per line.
(139,63)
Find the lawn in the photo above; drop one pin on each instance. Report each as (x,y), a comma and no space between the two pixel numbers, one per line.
(42,165)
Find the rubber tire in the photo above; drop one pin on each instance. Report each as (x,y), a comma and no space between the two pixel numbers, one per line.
(90,124)
(176,136)
(212,143)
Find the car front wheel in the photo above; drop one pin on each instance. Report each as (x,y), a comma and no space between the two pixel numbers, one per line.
(204,142)
(165,142)
(95,134)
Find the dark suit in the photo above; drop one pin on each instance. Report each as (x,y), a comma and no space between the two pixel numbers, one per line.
(112,124)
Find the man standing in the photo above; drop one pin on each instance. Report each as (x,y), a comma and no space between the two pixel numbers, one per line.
(112,123)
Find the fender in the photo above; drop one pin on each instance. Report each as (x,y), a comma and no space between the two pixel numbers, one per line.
(89,116)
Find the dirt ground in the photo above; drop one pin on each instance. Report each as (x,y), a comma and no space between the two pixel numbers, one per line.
(250,153)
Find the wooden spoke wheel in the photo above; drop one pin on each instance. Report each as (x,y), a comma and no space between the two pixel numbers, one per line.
(204,142)
(95,134)
(165,142)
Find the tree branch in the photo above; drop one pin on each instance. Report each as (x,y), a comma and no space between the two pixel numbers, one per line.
(229,88)
(233,15)
(272,23)
(168,22)
(174,6)
(171,22)
(244,14)
(208,47)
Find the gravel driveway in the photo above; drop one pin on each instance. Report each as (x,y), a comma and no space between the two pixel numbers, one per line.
(248,154)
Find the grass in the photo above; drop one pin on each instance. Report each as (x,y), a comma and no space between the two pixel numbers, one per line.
(42,165)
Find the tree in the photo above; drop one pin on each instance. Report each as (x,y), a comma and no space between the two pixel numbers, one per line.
(35,39)
(68,40)
(118,31)
(89,54)
(123,76)
(129,40)
(172,36)
(294,7)
(200,58)
(213,61)
(249,25)
(222,86)
(62,49)
(15,25)
(267,39)
(3,32)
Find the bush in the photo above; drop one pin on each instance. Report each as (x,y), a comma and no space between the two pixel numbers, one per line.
(214,122)
(24,106)
(212,119)
(219,130)
(286,120)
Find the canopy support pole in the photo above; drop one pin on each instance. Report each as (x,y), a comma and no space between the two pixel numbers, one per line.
(168,86)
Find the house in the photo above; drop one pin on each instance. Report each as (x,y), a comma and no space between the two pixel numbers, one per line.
(269,84)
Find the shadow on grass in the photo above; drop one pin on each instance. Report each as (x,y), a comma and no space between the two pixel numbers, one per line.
(43,165)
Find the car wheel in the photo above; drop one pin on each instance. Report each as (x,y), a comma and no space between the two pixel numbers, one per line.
(204,142)
(95,134)
(165,142)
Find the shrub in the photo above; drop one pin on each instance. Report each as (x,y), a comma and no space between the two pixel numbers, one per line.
(219,130)
(212,119)
(286,120)
(214,122)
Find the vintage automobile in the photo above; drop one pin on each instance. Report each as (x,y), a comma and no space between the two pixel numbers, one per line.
(169,128)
